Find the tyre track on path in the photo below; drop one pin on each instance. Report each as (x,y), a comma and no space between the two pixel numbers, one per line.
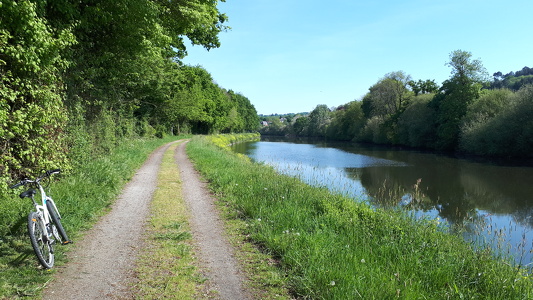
(101,265)
(215,255)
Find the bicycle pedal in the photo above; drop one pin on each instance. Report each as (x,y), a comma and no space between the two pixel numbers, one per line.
(66,242)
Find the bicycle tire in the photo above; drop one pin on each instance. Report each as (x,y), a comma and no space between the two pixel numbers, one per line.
(42,246)
(54,215)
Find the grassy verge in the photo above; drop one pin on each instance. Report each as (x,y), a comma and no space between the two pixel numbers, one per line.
(330,247)
(82,197)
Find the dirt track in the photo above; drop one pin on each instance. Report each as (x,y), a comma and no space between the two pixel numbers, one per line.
(101,265)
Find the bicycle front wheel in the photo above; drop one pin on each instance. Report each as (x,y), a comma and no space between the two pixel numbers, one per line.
(40,242)
(54,215)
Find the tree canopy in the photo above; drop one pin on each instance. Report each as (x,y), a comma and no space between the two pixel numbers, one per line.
(76,77)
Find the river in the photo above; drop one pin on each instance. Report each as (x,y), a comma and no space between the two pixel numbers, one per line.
(490,203)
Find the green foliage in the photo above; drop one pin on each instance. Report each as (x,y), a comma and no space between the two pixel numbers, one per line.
(502,132)
(198,20)
(489,104)
(416,125)
(246,118)
(193,102)
(277,127)
(458,116)
(224,141)
(374,131)
(382,106)
(423,87)
(300,126)
(347,122)
(79,80)
(455,96)
(515,83)
(319,119)
(109,66)
(513,80)
(32,115)
(389,95)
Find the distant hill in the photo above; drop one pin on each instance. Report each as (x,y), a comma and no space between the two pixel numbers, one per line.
(513,80)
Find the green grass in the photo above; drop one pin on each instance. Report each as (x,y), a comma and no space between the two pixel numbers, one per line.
(81,196)
(331,247)
(167,268)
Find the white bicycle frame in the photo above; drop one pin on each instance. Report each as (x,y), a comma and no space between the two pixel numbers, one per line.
(42,210)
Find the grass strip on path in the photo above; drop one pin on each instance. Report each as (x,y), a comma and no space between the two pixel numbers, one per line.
(166,269)
(332,247)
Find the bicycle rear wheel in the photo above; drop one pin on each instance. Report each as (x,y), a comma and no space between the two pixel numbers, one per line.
(54,215)
(40,242)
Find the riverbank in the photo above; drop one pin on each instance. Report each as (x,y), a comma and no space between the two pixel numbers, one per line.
(332,247)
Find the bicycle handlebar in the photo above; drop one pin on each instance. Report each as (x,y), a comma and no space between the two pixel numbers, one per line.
(56,171)
(23,182)
(26,180)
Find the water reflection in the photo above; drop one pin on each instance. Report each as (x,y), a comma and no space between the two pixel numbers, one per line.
(493,203)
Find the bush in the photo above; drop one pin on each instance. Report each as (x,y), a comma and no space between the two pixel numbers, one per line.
(32,115)
(416,125)
(374,131)
(507,133)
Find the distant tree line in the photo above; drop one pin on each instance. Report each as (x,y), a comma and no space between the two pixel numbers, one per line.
(79,77)
(468,113)
(513,80)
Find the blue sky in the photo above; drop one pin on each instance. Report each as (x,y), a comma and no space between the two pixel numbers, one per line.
(292,55)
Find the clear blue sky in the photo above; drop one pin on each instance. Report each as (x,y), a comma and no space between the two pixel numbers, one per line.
(292,55)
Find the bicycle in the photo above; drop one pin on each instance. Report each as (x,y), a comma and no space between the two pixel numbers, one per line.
(44,224)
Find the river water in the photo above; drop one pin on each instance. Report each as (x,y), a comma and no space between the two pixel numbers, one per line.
(492,204)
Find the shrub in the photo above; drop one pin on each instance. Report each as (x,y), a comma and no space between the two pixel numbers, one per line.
(507,133)
(416,126)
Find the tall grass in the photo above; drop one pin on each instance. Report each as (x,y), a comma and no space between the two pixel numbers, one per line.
(82,196)
(334,248)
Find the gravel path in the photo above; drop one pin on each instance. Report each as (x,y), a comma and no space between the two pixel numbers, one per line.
(101,264)
(215,254)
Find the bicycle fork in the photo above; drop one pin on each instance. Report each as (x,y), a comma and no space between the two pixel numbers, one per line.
(43,224)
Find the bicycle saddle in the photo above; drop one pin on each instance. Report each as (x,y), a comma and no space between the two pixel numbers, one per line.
(28,193)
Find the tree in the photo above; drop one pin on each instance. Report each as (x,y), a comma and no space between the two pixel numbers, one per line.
(300,126)
(387,99)
(455,95)
(389,95)
(318,120)
(246,111)
(415,125)
(423,87)
(512,80)
(347,121)
(198,20)
(466,70)
(121,62)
